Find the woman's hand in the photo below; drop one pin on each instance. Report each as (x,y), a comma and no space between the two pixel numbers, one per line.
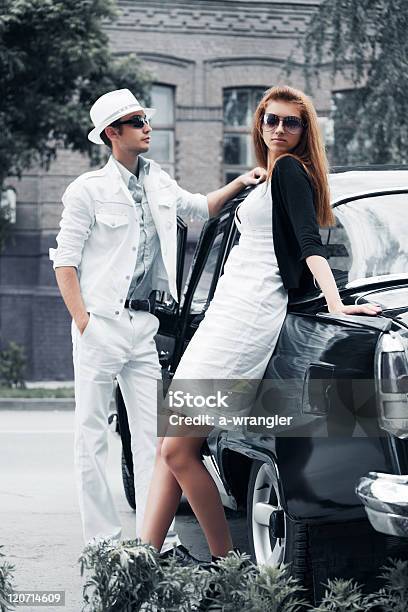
(367,309)
(253,177)
(216,199)
(320,269)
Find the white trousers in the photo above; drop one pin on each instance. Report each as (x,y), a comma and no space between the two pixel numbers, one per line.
(107,349)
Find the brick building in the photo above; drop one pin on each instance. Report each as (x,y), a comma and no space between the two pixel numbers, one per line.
(210,60)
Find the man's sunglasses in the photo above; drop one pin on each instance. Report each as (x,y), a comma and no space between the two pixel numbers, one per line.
(137,121)
(293,125)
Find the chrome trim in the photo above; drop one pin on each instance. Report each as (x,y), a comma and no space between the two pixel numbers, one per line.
(385,500)
(373,280)
(390,524)
(363,195)
(227,500)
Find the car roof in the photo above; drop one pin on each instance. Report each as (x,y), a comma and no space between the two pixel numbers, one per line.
(359,182)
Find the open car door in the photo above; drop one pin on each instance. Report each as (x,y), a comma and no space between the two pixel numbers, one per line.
(167,311)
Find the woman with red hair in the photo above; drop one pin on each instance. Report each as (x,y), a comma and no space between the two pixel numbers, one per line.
(280,251)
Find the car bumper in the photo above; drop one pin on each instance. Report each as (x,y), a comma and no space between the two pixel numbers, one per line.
(385,498)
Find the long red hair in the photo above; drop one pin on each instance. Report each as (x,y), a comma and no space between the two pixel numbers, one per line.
(309,151)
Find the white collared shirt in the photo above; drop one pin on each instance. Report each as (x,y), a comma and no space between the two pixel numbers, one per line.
(100,233)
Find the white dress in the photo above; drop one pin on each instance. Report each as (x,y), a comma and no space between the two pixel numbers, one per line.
(241,326)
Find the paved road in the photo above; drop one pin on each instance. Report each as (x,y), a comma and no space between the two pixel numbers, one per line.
(40,525)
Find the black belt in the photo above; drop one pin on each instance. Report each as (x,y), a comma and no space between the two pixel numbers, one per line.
(146,305)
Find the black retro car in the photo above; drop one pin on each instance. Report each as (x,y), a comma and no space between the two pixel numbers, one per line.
(298,491)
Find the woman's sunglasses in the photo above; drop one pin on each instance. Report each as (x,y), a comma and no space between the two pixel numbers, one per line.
(137,122)
(292,124)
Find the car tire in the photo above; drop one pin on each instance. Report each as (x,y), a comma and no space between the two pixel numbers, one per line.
(128,483)
(266,517)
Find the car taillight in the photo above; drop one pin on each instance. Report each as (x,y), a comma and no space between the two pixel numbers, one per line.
(394,373)
(392,383)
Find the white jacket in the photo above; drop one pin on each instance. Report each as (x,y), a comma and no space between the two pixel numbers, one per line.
(100,231)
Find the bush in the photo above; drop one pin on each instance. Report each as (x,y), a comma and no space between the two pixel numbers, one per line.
(394,596)
(346,595)
(6,584)
(238,584)
(12,366)
(131,576)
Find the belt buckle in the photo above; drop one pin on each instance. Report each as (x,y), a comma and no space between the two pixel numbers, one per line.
(130,305)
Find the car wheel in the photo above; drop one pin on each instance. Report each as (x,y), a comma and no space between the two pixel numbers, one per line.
(273,537)
(128,483)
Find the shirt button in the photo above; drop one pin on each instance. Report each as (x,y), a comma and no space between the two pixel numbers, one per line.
(128,277)
(133,248)
(117,312)
(121,301)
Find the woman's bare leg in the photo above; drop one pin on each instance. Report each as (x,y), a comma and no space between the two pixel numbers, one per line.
(182,456)
(162,502)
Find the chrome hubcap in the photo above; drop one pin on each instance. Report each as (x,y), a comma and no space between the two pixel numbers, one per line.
(266,500)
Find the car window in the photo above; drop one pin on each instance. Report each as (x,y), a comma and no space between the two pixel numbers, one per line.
(370,237)
(164,299)
(201,293)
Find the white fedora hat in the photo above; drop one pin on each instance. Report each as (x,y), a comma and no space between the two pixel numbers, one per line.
(110,107)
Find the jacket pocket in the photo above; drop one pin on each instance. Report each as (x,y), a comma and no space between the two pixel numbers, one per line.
(112,220)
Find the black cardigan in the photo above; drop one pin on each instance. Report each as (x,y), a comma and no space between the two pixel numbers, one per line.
(294,224)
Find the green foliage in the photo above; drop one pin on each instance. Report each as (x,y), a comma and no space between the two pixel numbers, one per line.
(343,596)
(179,589)
(120,577)
(6,584)
(36,392)
(55,61)
(240,585)
(366,41)
(274,590)
(12,365)
(394,596)
(131,577)
(128,576)
(347,596)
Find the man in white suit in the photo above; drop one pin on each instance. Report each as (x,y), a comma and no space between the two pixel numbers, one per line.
(117,244)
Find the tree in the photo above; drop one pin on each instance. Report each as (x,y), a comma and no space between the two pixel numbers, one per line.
(55,60)
(365,40)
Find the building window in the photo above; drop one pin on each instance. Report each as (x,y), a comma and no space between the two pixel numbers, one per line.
(239,108)
(162,143)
